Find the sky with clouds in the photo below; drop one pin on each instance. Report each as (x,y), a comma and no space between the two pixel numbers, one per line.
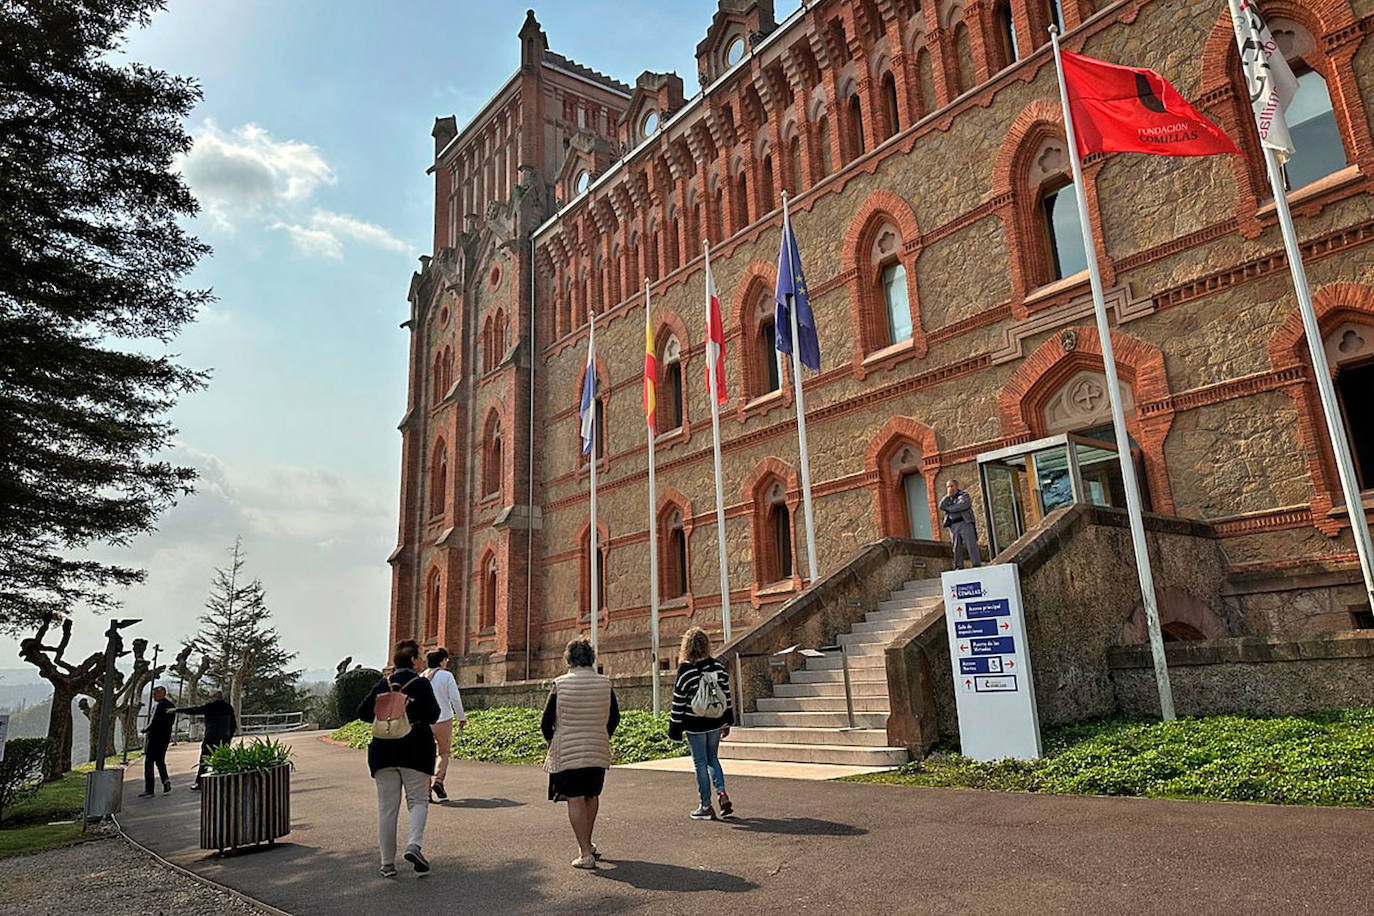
(309,162)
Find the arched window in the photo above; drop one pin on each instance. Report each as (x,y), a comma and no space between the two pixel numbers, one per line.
(1312,124)
(766,180)
(798,176)
(741,202)
(600,429)
(897,304)
(432,595)
(1006,30)
(894,120)
(670,394)
(766,354)
(499,330)
(438,479)
(1056,14)
(925,74)
(856,127)
(1350,351)
(601,577)
(650,255)
(492,467)
(489,583)
(674,243)
(1063,232)
(634,276)
(963,52)
(673,569)
(823,140)
(777,530)
(718,217)
(917,505)
(693,229)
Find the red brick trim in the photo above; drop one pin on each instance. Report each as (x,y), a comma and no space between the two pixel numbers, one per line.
(867,309)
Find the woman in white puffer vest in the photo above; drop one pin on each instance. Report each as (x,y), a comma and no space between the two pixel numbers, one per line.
(579,719)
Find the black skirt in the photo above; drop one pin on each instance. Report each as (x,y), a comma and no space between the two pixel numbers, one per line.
(584,782)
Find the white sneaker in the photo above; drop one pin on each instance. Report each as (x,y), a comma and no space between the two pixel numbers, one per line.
(584,862)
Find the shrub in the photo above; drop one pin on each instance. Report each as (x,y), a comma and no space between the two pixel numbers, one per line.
(21,772)
(350,689)
(258,754)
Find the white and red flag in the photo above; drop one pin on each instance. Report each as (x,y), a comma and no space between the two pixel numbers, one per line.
(1268,78)
(715,340)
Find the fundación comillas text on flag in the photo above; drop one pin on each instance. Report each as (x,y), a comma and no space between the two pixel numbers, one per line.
(1120,109)
(1268,78)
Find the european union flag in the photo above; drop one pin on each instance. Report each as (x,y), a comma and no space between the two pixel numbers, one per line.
(792,290)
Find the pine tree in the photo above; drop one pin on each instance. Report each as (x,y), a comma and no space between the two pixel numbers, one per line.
(92,253)
(247,662)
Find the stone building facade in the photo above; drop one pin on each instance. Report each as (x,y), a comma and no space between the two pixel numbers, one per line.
(922,149)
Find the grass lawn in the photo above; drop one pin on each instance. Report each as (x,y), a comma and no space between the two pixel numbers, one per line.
(510,734)
(1324,758)
(28,826)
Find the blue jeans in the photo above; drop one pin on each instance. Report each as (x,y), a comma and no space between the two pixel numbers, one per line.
(704,747)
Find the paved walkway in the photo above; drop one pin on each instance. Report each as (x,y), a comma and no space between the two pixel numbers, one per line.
(498,846)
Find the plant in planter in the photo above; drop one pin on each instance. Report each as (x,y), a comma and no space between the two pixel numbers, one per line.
(245,799)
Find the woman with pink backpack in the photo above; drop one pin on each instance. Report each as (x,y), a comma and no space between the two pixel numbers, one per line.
(401,755)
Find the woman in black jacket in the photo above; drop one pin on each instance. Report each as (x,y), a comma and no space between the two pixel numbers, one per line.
(406,762)
(704,712)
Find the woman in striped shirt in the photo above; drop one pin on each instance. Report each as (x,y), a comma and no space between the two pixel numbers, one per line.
(703,712)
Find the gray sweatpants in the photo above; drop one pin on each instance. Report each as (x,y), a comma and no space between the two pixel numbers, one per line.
(390,781)
(965,536)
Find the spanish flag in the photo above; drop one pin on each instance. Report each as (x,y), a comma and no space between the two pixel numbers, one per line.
(650,367)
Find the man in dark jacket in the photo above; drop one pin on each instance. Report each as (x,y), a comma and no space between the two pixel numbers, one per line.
(221,725)
(158,734)
(405,762)
(960,520)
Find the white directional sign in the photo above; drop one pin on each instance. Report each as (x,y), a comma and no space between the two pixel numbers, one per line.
(993,689)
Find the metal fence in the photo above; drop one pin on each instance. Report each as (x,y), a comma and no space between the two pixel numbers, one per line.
(262,723)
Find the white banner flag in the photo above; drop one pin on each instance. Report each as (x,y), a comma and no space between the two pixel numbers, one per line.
(1268,78)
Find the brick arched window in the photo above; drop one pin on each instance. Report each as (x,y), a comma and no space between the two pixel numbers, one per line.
(1061,229)
(670,399)
(904,496)
(766,198)
(925,82)
(892,118)
(432,605)
(492,465)
(584,554)
(565,311)
(674,243)
(498,337)
(857,143)
(438,479)
(490,584)
(1005,23)
(798,173)
(613,276)
(651,261)
(673,569)
(693,228)
(446,370)
(762,362)
(1311,116)
(741,201)
(882,287)
(718,217)
(823,140)
(633,275)
(777,553)
(963,54)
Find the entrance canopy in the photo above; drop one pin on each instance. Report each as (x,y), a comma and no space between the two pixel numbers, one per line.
(1024,483)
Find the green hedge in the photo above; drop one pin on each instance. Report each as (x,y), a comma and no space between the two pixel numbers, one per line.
(510,734)
(1320,759)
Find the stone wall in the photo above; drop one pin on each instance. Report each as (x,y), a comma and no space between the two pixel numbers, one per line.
(630,692)
(1265,676)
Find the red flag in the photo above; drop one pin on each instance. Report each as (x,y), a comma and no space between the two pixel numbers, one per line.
(1120,109)
(715,340)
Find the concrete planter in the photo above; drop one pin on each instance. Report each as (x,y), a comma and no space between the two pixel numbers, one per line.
(245,809)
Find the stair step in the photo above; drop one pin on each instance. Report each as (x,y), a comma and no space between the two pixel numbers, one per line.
(740,749)
(876,704)
(836,675)
(904,616)
(914,606)
(831,661)
(859,737)
(835,689)
(867,643)
(929,586)
(881,626)
(837,719)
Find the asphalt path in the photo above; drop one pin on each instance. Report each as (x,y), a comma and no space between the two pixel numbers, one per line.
(499,846)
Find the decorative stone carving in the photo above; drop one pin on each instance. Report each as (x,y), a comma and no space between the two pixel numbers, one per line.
(1349,342)
(1068,339)
(1082,403)
(672,350)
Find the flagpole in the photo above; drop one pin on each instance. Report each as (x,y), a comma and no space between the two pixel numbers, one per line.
(594,539)
(712,383)
(653,531)
(795,359)
(1123,442)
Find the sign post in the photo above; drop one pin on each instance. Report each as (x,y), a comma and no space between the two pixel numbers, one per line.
(994,691)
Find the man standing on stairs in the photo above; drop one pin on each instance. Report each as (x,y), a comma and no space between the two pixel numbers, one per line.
(959,519)
(703,712)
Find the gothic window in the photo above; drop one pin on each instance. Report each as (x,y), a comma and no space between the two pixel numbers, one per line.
(632,251)
(489,582)
(777,552)
(438,479)
(1006,30)
(889,88)
(585,552)
(766,189)
(798,176)
(673,568)
(767,372)
(856,127)
(718,217)
(823,140)
(925,74)
(432,596)
(1312,124)
(741,202)
(904,472)
(963,53)
(670,394)
(491,457)
(438,377)
(896,303)
(674,243)
(1350,350)
(1063,231)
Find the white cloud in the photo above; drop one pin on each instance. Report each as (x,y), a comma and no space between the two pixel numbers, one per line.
(325,233)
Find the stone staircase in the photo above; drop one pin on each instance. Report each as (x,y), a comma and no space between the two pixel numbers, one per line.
(805,720)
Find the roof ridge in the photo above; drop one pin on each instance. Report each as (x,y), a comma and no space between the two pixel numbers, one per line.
(584,70)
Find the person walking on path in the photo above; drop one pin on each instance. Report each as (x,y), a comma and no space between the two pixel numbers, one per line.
(405,761)
(579,719)
(957,506)
(221,725)
(158,734)
(703,711)
(450,711)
